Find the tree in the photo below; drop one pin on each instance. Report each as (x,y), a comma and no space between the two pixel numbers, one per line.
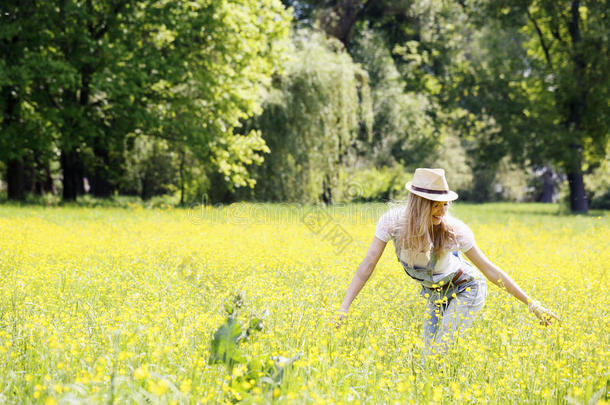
(311,120)
(219,59)
(187,72)
(566,82)
(403,130)
(407,53)
(23,129)
(340,19)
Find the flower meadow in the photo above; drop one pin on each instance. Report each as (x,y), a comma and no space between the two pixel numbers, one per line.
(237,304)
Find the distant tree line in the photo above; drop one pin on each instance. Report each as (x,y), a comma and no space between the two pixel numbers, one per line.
(304,100)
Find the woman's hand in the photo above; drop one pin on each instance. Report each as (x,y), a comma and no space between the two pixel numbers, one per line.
(546,316)
(340,318)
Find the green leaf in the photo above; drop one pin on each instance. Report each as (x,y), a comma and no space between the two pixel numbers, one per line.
(225,344)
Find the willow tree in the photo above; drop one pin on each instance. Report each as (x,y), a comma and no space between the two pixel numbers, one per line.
(403,129)
(311,120)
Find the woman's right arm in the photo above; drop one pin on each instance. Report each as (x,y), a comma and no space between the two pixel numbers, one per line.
(363,273)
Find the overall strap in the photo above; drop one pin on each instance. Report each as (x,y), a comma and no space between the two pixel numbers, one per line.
(432,262)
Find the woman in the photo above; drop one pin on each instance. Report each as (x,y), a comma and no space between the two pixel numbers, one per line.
(427,243)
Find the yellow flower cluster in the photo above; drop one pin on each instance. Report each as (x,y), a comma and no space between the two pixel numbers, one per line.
(101,305)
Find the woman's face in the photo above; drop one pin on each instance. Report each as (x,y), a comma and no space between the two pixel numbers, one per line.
(439,209)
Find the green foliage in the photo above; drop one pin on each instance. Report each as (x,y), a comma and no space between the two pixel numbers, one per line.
(84,75)
(403,129)
(311,118)
(378,184)
(598,185)
(418,120)
(24,130)
(258,371)
(562,84)
(225,342)
(151,168)
(453,157)
(221,58)
(215,99)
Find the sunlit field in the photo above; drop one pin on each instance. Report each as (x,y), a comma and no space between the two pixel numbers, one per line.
(122,305)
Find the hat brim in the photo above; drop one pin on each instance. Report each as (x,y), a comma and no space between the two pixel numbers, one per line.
(449,196)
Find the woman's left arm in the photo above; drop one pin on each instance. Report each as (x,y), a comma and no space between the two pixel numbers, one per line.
(503,280)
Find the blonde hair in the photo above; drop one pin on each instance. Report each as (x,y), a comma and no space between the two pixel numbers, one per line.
(417,234)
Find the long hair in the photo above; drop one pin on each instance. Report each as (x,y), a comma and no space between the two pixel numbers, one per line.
(418,234)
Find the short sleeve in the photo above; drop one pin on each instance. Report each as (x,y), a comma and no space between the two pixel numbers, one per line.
(464,236)
(387,225)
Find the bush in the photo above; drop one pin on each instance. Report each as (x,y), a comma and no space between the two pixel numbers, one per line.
(375,184)
(597,185)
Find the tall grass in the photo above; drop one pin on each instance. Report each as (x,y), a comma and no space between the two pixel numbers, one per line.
(121,305)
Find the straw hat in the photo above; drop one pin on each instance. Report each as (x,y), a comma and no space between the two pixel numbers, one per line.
(431,184)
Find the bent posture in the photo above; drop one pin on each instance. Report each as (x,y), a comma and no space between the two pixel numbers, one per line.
(428,242)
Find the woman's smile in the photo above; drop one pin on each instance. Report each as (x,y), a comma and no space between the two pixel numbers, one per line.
(439,209)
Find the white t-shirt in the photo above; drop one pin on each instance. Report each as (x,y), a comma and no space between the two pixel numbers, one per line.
(388,227)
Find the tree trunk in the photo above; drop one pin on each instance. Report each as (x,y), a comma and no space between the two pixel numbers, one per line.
(15,176)
(182,158)
(15,179)
(100,183)
(30,174)
(40,173)
(46,183)
(577,104)
(72,175)
(548,188)
(145,194)
(71,166)
(327,196)
(339,20)
(578,197)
